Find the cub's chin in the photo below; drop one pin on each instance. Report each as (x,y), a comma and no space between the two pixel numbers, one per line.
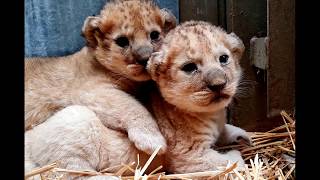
(201,104)
(137,72)
(206,101)
(216,104)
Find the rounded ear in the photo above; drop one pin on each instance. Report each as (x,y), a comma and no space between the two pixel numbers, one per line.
(236,44)
(90,29)
(154,63)
(170,20)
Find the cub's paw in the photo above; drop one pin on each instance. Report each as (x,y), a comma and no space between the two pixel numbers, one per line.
(235,156)
(237,135)
(147,141)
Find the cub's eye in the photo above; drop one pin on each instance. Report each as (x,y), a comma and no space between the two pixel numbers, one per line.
(224,59)
(189,67)
(122,41)
(154,35)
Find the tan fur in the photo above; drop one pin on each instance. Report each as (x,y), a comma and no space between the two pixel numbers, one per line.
(187,111)
(76,136)
(103,76)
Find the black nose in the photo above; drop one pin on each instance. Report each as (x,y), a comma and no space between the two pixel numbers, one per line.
(143,62)
(217,87)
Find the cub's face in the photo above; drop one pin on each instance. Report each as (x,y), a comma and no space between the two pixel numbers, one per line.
(125,34)
(197,68)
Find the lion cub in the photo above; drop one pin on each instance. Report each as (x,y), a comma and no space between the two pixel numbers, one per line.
(105,74)
(197,72)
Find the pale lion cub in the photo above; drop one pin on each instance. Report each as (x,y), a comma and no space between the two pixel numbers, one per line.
(75,139)
(103,75)
(197,72)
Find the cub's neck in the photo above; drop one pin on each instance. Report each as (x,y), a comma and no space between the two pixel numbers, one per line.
(181,126)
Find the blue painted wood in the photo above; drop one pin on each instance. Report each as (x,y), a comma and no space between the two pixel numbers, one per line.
(53,27)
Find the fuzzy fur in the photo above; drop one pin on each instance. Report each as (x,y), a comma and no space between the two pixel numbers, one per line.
(189,114)
(103,77)
(76,137)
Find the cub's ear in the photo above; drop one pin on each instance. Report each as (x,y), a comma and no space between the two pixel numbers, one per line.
(169,20)
(154,63)
(236,45)
(91,31)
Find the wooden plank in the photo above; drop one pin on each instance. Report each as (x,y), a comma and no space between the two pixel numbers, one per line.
(241,14)
(222,19)
(248,18)
(281,67)
(206,10)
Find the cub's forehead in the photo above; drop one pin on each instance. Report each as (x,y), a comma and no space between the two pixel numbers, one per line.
(197,39)
(133,15)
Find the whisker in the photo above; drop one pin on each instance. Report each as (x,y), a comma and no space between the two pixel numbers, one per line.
(245,88)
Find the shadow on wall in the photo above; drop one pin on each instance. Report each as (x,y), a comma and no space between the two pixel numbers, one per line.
(53,28)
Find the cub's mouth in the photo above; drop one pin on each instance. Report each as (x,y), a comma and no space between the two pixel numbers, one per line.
(220,96)
(207,98)
(137,72)
(143,62)
(219,92)
(136,69)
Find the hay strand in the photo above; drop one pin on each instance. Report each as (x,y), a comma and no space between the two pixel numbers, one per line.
(40,170)
(270,157)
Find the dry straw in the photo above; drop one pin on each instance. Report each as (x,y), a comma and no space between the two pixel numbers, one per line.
(272,156)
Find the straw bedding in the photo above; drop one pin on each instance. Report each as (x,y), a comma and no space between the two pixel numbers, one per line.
(272,156)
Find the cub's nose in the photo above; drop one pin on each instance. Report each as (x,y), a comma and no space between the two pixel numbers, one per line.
(217,87)
(142,62)
(142,54)
(216,79)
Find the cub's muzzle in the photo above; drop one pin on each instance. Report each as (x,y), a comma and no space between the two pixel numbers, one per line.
(142,54)
(216,80)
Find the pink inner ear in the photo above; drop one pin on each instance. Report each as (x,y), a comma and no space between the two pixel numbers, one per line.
(237,46)
(238,52)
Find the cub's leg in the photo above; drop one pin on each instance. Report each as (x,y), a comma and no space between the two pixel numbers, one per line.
(120,111)
(76,139)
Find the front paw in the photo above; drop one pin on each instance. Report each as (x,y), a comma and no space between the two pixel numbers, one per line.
(242,138)
(238,135)
(235,156)
(146,141)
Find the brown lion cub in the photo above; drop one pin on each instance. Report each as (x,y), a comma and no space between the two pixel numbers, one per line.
(197,72)
(103,75)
